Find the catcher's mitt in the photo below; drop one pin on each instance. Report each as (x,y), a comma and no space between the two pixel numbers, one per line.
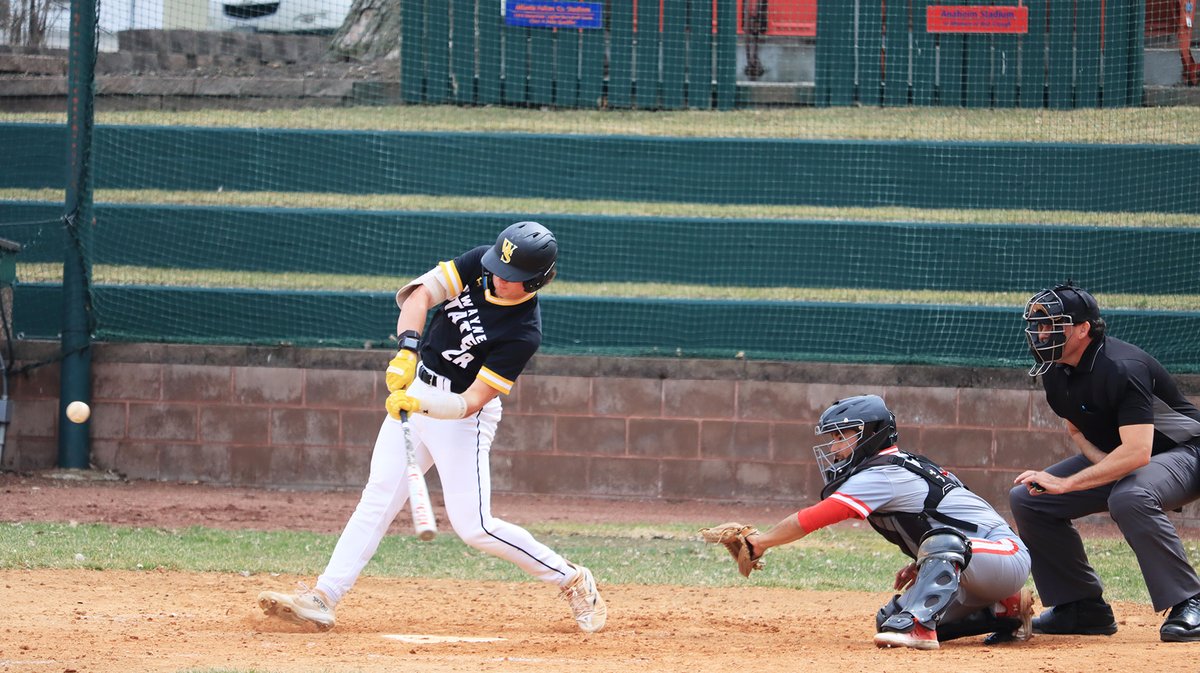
(733,536)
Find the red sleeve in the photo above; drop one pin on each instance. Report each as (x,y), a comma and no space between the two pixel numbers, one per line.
(824,513)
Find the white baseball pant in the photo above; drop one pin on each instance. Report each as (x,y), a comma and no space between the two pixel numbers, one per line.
(998,569)
(460,449)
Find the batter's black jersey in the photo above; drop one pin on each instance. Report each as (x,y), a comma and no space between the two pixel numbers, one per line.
(1117,384)
(476,334)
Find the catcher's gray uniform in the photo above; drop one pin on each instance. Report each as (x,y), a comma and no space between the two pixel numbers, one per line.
(879,491)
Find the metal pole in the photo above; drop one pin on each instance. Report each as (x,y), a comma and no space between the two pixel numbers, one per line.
(76,379)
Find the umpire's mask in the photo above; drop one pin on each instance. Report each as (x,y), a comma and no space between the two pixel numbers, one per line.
(1049,315)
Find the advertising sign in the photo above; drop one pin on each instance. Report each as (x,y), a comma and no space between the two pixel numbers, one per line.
(976,19)
(554,14)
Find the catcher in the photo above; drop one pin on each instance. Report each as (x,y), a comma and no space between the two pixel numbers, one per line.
(969,568)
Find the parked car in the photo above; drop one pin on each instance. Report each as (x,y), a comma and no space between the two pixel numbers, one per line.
(279,16)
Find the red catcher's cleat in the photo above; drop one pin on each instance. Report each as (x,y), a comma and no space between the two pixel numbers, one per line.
(919,638)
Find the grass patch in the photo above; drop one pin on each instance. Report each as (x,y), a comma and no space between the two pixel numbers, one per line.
(1155,125)
(843,558)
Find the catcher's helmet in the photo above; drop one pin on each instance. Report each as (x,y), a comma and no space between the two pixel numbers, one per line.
(524,252)
(1049,313)
(864,418)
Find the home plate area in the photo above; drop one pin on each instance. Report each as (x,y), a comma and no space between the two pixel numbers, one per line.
(161,621)
(425,639)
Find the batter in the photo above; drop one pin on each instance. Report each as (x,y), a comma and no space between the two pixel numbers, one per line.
(486,328)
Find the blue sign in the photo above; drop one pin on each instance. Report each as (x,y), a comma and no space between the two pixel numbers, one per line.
(554,14)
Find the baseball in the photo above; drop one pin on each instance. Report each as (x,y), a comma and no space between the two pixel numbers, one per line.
(78,411)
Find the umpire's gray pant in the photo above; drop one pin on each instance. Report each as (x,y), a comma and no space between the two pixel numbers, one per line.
(1138,503)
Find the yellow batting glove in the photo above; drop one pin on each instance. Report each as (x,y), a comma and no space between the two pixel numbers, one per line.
(401,370)
(401,401)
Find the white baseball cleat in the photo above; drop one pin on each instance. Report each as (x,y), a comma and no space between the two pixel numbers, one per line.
(587,606)
(305,607)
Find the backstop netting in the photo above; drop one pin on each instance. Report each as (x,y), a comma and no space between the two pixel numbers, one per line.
(875,181)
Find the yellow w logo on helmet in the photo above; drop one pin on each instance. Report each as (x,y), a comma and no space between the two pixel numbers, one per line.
(506,251)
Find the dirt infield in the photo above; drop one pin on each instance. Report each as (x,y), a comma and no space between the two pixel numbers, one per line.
(110,622)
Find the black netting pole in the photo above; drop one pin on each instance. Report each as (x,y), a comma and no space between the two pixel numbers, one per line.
(73,443)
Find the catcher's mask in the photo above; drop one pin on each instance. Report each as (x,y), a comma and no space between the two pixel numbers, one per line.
(1050,314)
(525,253)
(863,420)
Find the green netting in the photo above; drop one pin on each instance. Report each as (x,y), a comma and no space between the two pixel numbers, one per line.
(871,182)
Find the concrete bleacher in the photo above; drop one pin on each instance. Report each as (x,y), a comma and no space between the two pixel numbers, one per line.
(763,253)
(917,174)
(190,69)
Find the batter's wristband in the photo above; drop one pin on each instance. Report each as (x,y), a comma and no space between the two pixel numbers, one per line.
(409,339)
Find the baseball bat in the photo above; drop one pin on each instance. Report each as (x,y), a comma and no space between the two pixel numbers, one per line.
(418,491)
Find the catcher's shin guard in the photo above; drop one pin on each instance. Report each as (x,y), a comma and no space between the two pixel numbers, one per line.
(890,608)
(941,557)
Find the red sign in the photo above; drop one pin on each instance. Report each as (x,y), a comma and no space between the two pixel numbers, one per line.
(976,19)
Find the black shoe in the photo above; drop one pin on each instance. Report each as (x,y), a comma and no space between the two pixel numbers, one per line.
(1000,638)
(1087,617)
(1183,624)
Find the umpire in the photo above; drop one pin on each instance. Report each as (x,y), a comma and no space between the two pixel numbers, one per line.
(1139,456)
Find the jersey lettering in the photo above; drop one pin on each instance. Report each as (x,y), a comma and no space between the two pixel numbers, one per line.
(462,360)
(461,301)
(469,324)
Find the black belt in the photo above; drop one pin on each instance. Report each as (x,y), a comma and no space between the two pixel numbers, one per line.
(429,377)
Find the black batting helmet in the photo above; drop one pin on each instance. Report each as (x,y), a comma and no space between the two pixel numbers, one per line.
(524,252)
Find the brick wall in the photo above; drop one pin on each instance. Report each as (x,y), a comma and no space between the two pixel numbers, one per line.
(614,427)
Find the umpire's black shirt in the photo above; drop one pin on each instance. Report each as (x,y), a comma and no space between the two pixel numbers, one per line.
(1117,384)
